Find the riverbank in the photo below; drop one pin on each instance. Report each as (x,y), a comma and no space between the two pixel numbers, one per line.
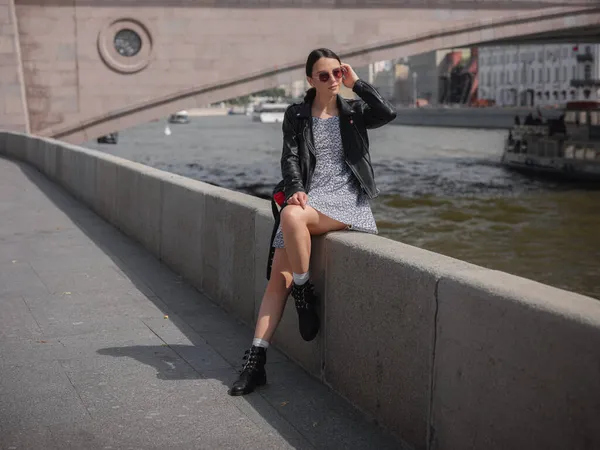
(207,112)
(490,118)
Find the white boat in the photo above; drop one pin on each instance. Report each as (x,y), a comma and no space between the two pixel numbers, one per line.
(180,117)
(568,147)
(269,112)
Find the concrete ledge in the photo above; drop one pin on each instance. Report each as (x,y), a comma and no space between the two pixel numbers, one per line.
(138,206)
(382,294)
(445,354)
(182,228)
(516,365)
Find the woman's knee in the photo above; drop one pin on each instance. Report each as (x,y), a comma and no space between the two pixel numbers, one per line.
(293,215)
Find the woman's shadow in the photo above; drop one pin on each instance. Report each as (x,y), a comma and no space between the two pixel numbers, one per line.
(173,362)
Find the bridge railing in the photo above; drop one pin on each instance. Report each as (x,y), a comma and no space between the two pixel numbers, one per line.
(445,354)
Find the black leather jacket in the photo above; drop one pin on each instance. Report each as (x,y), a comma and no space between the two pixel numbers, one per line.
(356,117)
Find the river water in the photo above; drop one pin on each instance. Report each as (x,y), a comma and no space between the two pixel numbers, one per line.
(442,189)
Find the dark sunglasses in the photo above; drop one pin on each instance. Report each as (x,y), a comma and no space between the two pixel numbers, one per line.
(337,74)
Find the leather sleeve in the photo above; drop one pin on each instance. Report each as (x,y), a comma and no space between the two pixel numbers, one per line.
(376,111)
(290,160)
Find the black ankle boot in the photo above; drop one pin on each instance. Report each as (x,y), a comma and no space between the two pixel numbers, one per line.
(253,373)
(306,305)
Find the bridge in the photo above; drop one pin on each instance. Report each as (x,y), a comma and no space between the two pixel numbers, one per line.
(76,70)
(127,294)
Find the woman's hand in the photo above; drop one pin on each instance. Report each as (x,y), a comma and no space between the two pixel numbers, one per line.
(350,76)
(299,198)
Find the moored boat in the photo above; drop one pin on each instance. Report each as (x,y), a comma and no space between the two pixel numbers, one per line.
(180,117)
(568,147)
(111,138)
(269,112)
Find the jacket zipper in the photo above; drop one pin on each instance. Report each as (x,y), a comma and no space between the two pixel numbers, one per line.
(359,135)
(314,153)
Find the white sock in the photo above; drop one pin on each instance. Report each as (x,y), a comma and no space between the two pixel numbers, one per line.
(260,343)
(300,278)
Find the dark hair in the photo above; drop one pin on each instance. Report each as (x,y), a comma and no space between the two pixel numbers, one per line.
(313,57)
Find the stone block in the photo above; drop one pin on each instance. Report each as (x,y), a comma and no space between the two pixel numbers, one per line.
(8,75)
(138,198)
(78,173)
(228,251)
(34,151)
(379,327)
(182,222)
(7,46)
(105,198)
(516,365)
(13,105)
(15,146)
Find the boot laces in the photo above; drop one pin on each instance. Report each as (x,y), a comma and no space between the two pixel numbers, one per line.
(301,294)
(251,359)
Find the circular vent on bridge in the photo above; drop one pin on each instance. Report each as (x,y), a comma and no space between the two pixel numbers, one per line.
(128,43)
(125,45)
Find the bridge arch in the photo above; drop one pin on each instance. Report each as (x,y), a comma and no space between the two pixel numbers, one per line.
(203,55)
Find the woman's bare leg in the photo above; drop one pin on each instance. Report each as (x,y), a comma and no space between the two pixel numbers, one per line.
(276,294)
(298,225)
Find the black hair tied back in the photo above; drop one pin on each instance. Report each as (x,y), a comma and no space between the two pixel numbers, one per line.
(310,95)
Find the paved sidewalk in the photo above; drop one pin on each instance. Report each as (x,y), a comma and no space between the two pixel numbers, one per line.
(89,361)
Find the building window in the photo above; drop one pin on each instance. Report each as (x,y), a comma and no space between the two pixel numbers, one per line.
(541,76)
(501,78)
(564,74)
(556,75)
(532,76)
(587,72)
(548,80)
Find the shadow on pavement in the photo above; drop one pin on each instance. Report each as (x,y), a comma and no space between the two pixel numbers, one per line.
(201,341)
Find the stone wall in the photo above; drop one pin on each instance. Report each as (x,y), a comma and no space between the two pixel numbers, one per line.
(12,106)
(497,118)
(445,354)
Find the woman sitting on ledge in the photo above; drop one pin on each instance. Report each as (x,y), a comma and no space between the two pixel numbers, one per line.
(327,184)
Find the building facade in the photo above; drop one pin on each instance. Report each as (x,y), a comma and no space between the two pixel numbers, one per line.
(442,76)
(539,75)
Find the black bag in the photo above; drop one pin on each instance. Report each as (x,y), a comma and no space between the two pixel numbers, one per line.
(277,205)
